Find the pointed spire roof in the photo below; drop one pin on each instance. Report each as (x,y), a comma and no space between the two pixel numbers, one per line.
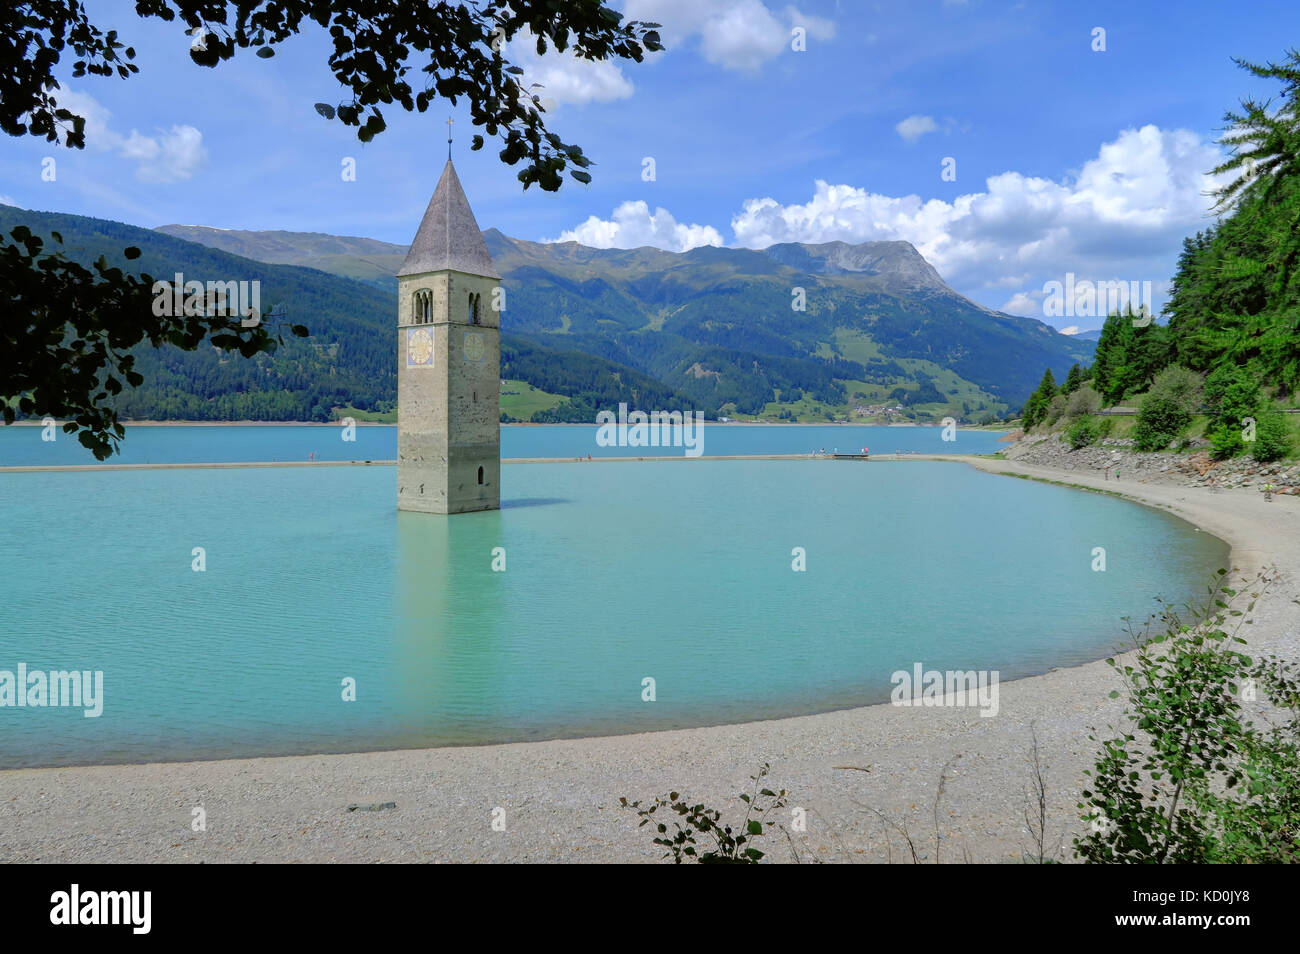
(448,237)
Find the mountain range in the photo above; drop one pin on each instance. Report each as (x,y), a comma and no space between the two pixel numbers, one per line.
(808,332)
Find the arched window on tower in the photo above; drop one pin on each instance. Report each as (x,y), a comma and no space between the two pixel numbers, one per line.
(474,317)
(422,307)
(480,475)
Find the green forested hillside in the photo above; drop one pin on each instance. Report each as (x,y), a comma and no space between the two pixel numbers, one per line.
(589,383)
(793,331)
(718,323)
(876,324)
(350,356)
(349,359)
(1236,296)
(1228,359)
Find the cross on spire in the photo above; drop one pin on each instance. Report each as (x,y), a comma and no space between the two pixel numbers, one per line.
(449,122)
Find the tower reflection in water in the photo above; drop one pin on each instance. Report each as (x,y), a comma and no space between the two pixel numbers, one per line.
(450,675)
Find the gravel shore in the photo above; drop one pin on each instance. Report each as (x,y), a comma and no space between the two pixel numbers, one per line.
(561,798)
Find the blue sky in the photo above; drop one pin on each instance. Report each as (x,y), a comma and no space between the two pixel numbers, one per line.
(1067,159)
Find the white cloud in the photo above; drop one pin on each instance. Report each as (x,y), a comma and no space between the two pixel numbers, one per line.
(1071,330)
(172,156)
(1029,304)
(735,34)
(819,28)
(1122,217)
(914,127)
(566,78)
(634,225)
(743,36)
(7,200)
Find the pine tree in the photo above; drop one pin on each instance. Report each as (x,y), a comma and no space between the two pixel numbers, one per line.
(1265,145)
(1038,403)
(1110,365)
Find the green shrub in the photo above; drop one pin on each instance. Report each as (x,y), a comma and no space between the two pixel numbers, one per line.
(1082,401)
(1160,420)
(1180,385)
(728,846)
(1083,432)
(1226,441)
(1167,409)
(1193,780)
(1231,395)
(1272,440)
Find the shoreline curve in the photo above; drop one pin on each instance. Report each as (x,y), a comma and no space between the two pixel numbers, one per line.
(549,781)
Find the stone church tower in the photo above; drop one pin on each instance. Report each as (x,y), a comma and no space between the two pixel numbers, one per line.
(449,363)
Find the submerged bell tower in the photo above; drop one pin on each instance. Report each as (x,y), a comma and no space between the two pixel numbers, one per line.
(449,362)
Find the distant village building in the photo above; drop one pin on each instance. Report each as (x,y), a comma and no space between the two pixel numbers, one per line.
(449,364)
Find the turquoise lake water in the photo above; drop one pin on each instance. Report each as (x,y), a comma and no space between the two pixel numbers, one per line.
(23,446)
(614,573)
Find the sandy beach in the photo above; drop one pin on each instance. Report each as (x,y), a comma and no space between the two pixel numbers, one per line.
(561,798)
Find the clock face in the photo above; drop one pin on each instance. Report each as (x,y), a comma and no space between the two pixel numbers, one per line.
(474,347)
(419,348)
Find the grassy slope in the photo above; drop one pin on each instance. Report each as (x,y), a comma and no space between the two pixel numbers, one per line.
(521,400)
